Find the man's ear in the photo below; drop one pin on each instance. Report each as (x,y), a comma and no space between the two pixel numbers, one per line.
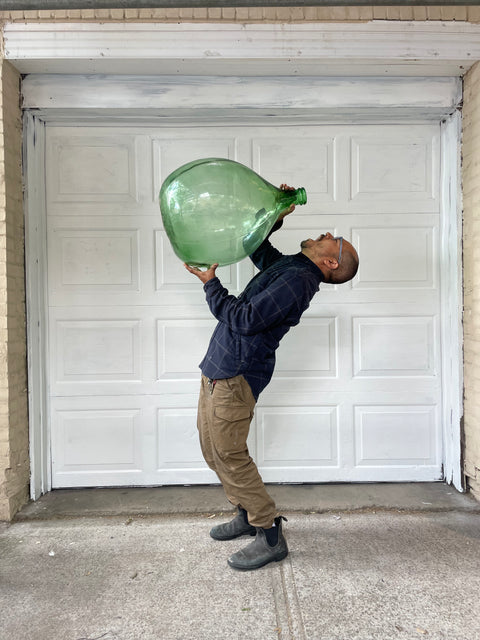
(331,263)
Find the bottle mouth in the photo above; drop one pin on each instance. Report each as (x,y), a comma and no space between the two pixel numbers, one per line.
(301,196)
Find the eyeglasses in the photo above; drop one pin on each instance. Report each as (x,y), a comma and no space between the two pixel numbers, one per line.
(341,248)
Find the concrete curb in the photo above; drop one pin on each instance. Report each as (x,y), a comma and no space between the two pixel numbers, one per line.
(207,500)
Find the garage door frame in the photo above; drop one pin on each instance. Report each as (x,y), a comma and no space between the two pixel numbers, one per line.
(45,94)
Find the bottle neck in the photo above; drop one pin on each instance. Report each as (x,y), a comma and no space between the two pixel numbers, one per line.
(300,196)
(295,196)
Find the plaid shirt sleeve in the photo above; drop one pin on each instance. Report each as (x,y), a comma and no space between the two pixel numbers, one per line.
(265,309)
(266,254)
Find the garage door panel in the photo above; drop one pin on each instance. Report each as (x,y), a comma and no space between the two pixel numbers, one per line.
(396,435)
(177,439)
(288,436)
(178,446)
(395,170)
(96,350)
(92,259)
(103,441)
(310,161)
(399,257)
(355,381)
(95,260)
(181,345)
(187,145)
(96,172)
(394,346)
(319,335)
(171,275)
(93,354)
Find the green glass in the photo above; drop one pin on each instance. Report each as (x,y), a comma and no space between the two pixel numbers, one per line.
(218,210)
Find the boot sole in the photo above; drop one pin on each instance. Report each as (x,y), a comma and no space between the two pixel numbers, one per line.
(261,564)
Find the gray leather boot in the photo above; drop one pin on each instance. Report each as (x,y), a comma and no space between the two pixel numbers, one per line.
(234,529)
(259,553)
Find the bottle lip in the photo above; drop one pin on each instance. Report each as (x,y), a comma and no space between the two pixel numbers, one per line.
(301,196)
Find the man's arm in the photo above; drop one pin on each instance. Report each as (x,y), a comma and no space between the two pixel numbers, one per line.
(266,254)
(267,308)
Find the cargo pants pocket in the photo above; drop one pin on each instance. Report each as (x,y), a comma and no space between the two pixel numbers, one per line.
(231,425)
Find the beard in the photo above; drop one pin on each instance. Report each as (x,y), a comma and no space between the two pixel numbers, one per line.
(303,244)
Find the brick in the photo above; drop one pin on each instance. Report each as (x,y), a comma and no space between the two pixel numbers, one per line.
(5,453)
(17,15)
(420,13)
(172,15)
(380,13)
(117,14)
(257,14)
(228,13)
(186,13)
(406,13)
(473,14)
(74,14)
(474,486)
(352,13)
(434,13)
(297,14)
(453,13)
(366,13)
(214,13)
(283,14)
(241,13)
(102,14)
(270,14)
(310,14)
(159,15)
(131,14)
(200,13)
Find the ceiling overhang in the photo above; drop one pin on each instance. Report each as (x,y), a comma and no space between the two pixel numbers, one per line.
(377,48)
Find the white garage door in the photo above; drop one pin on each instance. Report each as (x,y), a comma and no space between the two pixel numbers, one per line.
(357,390)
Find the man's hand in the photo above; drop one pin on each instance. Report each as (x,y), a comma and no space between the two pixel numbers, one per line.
(204,276)
(285,212)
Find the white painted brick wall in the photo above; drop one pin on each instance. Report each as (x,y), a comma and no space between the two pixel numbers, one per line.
(471,248)
(14,455)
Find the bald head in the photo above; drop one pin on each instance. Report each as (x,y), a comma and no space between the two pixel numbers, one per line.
(336,258)
(347,267)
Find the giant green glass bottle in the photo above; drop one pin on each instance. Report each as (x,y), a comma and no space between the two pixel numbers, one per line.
(218,210)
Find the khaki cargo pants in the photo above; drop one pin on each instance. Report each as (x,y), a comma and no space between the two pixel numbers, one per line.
(225,410)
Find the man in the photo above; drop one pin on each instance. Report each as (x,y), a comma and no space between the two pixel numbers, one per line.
(239,364)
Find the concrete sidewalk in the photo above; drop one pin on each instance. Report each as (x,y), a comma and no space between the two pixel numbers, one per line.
(371,570)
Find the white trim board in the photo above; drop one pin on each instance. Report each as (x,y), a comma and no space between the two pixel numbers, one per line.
(35,280)
(451,290)
(370,48)
(352,99)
